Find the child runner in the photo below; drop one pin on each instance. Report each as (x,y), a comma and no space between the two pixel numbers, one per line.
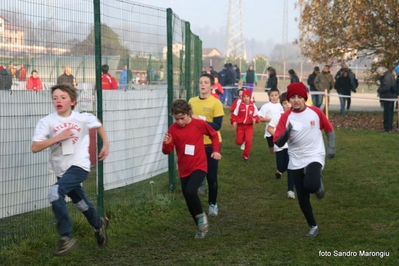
(301,128)
(66,133)
(217,88)
(244,117)
(186,134)
(282,153)
(208,108)
(266,112)
(233,107)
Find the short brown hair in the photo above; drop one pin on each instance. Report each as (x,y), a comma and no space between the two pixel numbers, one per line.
(65,87)
(180,106)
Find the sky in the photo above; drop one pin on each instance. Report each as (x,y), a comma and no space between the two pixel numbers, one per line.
(263,19)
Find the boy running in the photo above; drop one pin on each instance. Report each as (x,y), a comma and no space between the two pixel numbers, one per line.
(301,128)
(66,133)
(186,134)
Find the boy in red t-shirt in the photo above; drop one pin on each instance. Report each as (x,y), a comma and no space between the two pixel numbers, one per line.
(186,135)
(244,117)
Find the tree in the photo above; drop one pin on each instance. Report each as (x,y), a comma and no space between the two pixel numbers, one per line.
(110,44)
(338,30)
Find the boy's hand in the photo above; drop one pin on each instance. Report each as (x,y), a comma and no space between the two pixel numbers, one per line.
(103,153)
(216,156)
(167,139)
(235,125)
(66,134)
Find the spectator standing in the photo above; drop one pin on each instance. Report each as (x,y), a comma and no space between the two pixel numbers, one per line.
(343,85)
(34,82)
(11,70)
(22,73)
(204,71)
(293,76)
(311,78)
(5,79)
(250,78)
(324,81)
(230,84)
(237,81)
(108,82)
(66,133)
(272,80)
(208,108)
(186,135)
(212,71)
(222,77)
(67,77)
(387,92)
(301,127)
(351,77)
(244,117)
(125,78)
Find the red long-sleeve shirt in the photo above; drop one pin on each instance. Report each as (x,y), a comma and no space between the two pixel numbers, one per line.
(184,138)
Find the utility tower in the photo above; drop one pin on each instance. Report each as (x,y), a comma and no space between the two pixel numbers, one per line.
(285,27)
(235,37)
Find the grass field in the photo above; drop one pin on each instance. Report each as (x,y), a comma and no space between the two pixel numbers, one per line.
(257,224)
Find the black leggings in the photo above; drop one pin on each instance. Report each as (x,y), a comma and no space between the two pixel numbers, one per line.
(307,180)
(189,187)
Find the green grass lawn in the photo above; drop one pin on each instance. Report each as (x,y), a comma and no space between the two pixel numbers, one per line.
(257,224)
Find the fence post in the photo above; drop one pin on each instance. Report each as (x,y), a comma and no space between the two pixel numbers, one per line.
(169,56)
(84,68)
(98,57)
(187,70)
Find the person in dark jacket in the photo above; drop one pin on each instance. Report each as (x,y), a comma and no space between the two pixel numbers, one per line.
(230,84)
(343,85)
(272,80)
(67,77)
(293,76)
(312,87)
(5,79)
(250,78)
(387,93)
(222,78)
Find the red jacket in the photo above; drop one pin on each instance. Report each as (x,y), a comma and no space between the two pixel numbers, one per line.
(34,84)
(218,89)
(245,114)
(108,82)
(22,74)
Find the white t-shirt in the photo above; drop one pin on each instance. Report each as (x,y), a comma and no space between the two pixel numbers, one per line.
(305,144)
(76,149)
(273,123)
(268,110)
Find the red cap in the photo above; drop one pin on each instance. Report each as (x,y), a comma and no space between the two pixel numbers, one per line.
(246,92)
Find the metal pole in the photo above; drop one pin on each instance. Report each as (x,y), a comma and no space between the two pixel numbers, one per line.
(187,70)
(100,169)
(169,56)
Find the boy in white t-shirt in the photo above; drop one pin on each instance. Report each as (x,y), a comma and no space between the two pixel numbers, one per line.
(66,133)
(282,157)
(267,111)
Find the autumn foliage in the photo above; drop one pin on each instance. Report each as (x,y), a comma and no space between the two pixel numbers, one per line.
(336,30)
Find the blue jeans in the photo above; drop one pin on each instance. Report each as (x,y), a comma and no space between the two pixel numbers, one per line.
(343,101)
(69,185)
(212,176)
(223,97)
(317,99)
(229,94)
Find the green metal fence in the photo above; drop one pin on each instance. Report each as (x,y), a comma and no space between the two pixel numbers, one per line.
(155,47)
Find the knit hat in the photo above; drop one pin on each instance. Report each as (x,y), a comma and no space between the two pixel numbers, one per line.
(297,88)
(246,92)
(397,69)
